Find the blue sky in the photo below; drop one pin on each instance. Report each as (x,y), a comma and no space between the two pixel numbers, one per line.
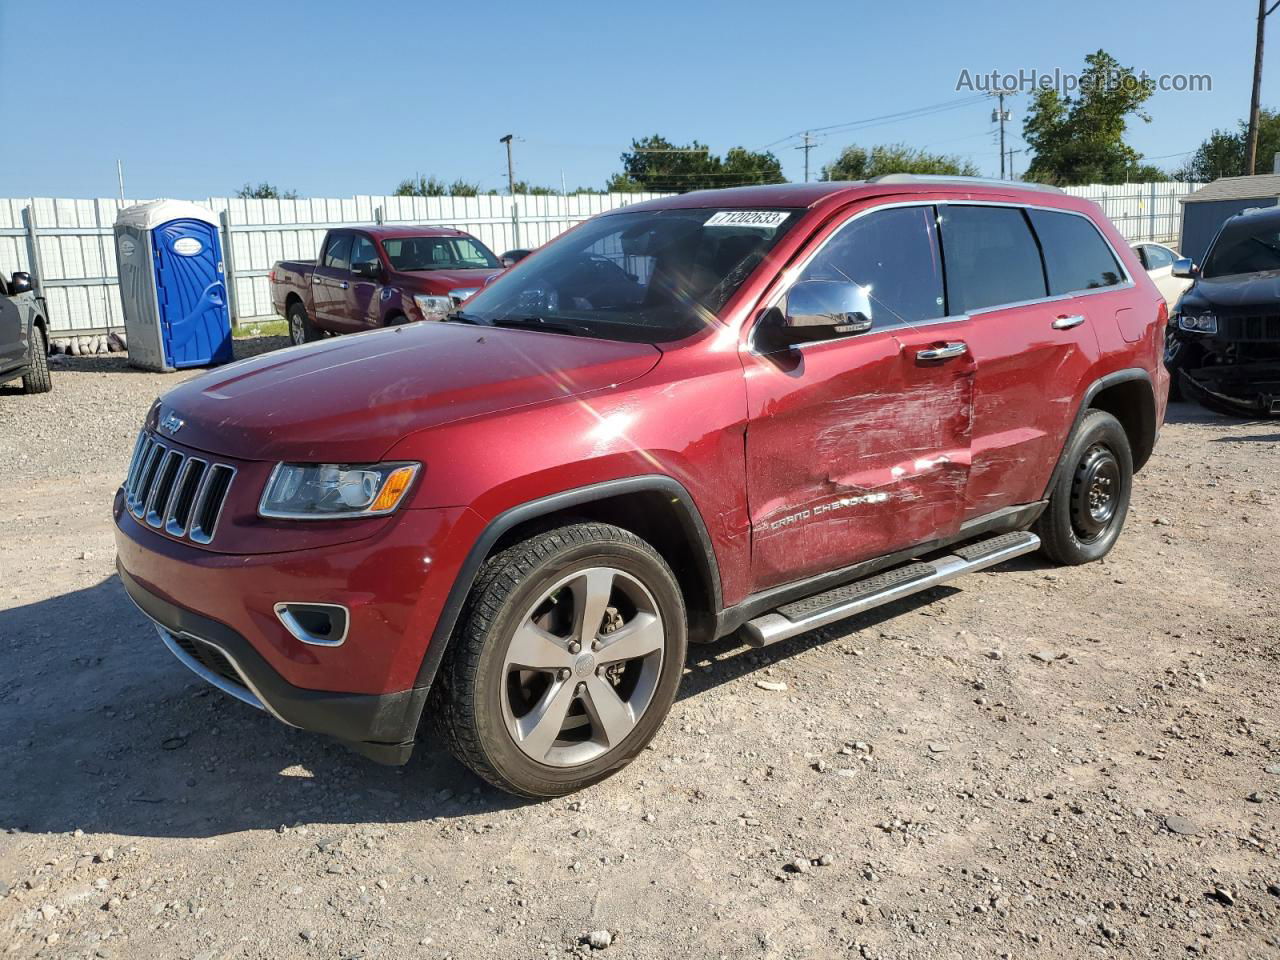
(334,99)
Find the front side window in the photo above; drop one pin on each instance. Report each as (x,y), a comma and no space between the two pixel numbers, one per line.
(337,252)
(438,253)
(650,276)
(1075,255)
(1157,258)
(362,250)
(1244,246)
(893,255)
(991,256)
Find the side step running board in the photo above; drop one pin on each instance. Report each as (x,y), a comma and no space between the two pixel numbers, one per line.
(853,598)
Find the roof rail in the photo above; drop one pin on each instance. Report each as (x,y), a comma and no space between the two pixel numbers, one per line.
(977,181)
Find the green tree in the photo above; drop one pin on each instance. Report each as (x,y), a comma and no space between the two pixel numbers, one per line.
(265,191)
(656,164)
(859,163)
(432,186)
(1080,139)
(1222,152)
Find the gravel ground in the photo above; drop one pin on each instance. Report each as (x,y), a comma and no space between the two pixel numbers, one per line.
(1039,762)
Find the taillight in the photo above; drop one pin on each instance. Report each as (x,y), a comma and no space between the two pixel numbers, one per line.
(271,276)
(1162,317)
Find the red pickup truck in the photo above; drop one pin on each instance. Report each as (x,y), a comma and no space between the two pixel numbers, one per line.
(754,411)
(369,277)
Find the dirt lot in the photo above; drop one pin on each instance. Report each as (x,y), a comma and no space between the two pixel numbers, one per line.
(1040,763)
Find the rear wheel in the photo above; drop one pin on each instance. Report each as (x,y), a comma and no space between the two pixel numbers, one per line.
(301,330)
(37,379)
(1088,505)
(565,662)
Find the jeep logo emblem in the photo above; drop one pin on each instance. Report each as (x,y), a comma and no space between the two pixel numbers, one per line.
(585,666)
(172,423)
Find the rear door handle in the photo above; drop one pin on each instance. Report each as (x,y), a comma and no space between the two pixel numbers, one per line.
(945,352)
(1066,323)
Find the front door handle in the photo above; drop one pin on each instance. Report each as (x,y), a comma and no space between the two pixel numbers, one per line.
(343,285)
(1066,323)
(945,352)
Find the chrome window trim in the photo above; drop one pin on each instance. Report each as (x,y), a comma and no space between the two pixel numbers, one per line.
(286,617)
(798,268)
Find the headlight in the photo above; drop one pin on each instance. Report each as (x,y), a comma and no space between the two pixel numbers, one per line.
(433,307)
(1203,323)
(329,491)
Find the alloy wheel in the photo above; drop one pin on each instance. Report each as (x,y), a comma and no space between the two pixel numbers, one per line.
(582,667)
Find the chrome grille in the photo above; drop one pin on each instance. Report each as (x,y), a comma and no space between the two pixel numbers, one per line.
(175,492)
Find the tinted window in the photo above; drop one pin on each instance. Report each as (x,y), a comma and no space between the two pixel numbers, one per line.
(1075,255)
(337,253)
(438,253)
(991,258)
(893,254)
(1157,258)
(1245,245)
(362,250)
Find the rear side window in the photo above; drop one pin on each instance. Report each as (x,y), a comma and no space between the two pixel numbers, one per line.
(337,252)
(1075,255)
(991,257)
(894,255)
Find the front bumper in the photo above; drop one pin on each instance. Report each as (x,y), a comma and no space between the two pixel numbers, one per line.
(380,726)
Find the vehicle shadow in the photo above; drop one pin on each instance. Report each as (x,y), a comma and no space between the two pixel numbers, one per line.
(102,730)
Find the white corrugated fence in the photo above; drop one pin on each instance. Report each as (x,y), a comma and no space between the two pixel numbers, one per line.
(72,242)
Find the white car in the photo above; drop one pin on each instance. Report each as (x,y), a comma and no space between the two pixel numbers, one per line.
(1158,259)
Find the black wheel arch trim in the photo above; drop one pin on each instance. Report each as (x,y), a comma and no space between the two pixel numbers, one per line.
(681,500)
(1130,375)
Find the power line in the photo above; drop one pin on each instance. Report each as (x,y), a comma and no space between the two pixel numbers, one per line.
(886,118)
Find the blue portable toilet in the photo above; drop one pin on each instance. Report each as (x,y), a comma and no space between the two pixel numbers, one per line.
(172,287)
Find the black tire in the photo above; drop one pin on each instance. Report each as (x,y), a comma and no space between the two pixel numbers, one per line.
(301,329)
(37,378)
(1175,358)
(1088,505)
(470,697)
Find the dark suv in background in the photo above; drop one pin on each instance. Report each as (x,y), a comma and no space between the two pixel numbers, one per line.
(24,335)
(1223,346)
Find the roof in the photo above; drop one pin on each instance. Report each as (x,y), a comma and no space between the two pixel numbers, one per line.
(812,194)
(147,216)
(1265,185)
(404,230)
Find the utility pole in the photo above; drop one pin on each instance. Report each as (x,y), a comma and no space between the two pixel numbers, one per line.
(120,177)
(511,190)
(1001,115)
(809,144)
(1251,144)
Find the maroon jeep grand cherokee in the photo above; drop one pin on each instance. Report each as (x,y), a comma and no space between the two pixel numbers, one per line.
(753,411)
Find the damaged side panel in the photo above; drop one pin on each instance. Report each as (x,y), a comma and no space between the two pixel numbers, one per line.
(853,450)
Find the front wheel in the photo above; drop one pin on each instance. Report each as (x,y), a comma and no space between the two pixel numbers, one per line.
(37,378)
(565,662)
(1088,504)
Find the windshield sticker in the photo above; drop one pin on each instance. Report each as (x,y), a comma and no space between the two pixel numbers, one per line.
(747,218)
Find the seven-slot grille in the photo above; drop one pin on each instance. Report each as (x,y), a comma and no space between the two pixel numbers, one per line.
(174,491)
(1258,329)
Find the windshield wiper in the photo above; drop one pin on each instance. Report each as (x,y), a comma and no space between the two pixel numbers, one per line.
(461,316)
(543,323)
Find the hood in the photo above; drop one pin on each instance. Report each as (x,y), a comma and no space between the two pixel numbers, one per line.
(1242,290)
(442,281)
(350,398)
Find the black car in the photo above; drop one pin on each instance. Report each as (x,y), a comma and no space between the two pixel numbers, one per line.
(1223,344)
(24,335)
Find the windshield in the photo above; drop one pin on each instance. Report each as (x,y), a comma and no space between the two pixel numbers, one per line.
(648,276)
(438,253)
(1244,248)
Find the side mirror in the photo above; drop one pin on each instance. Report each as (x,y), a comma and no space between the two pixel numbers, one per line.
(819,310)
(1185,268)
(370,270)
(20,283)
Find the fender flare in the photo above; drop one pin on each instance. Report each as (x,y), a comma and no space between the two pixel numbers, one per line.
(1102,383)
(686,510)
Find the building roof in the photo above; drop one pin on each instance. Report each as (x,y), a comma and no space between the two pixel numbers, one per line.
(1263,186)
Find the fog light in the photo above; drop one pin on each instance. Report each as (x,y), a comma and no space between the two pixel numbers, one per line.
(319,624)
